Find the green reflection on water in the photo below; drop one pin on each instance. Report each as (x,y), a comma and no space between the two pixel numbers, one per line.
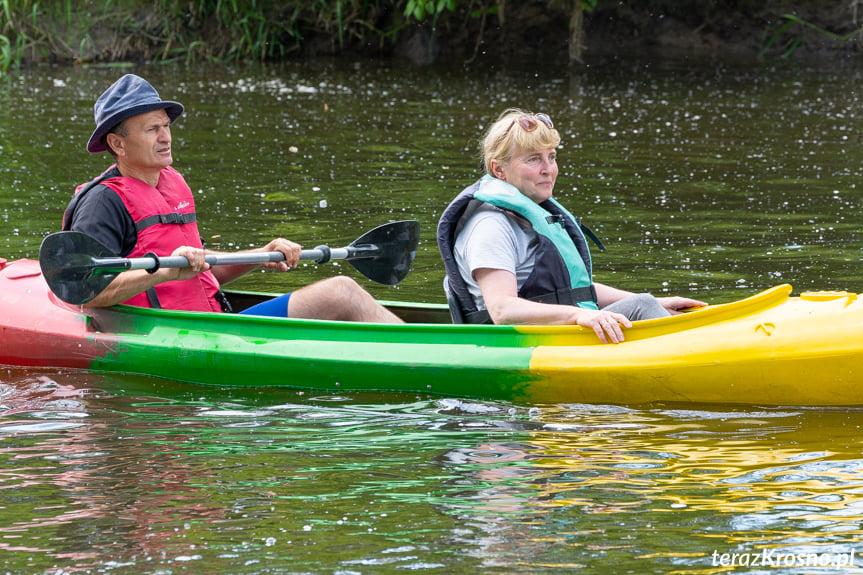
(164,475)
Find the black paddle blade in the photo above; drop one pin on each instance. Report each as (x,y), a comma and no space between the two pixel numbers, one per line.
(66,260)
(385,254)
(77,267)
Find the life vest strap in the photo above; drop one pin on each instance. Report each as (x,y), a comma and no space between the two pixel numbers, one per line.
(172,218)
(593,237)
(153,298)
(568,296)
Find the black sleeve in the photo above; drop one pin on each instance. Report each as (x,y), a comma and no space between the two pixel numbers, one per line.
(102,216)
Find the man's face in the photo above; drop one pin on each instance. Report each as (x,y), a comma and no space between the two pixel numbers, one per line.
(147,143)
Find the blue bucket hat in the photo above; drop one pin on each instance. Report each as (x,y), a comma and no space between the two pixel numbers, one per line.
(129,96)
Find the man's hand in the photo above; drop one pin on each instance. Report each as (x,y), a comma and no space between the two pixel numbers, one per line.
(196,264)
(291,251)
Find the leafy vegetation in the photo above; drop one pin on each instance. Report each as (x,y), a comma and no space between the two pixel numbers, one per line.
(187,30)
(81,31)
(418,9)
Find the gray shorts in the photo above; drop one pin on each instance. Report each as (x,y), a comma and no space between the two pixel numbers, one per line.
(638,306)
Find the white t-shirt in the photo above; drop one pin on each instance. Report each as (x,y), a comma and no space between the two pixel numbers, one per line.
(490,239)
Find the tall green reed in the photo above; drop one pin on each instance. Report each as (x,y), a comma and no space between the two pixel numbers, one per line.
(800,30)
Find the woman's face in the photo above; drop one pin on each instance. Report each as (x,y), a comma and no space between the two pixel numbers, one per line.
(533,173)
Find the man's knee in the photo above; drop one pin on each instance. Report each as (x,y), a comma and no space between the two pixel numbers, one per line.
(344,282)
(338,298)
(341,287)
(340,292)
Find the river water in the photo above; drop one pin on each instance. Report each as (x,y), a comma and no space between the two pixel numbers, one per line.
(712,180)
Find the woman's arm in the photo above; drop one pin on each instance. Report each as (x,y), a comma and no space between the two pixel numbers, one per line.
(500,293)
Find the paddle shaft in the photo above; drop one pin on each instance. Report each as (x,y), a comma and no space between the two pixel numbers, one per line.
(77,267)
(320,254)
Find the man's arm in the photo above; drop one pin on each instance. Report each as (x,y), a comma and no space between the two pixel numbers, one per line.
(102,216)
(131,283)
(291,250)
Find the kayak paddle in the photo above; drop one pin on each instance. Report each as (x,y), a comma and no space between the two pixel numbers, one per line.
(77,267)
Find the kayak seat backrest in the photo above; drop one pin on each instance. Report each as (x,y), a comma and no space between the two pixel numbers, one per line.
(455,311)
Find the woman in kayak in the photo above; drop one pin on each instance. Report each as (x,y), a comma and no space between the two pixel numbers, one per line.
(513,255)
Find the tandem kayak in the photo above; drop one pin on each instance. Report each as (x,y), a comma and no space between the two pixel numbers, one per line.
(768,349)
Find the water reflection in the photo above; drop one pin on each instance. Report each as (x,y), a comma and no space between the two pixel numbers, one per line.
(131,473)
(663,486)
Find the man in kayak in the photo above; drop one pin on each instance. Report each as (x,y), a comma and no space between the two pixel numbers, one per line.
(513,255)
(141,205)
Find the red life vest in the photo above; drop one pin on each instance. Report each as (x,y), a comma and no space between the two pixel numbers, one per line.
(164,217)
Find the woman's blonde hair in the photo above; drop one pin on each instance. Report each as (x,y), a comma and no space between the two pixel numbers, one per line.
(504,136)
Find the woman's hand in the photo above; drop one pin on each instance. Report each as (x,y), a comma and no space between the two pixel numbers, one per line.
(606,324)
(677,305)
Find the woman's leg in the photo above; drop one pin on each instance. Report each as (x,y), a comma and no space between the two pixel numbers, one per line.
(639,306)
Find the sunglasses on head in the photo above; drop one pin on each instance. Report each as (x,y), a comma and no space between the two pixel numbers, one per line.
(528,122)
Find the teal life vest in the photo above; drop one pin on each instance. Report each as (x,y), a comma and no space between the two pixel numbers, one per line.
(562,266)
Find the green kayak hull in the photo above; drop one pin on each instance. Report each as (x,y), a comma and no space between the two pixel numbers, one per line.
(769,349)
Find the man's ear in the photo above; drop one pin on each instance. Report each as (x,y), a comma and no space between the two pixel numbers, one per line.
(115,142)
